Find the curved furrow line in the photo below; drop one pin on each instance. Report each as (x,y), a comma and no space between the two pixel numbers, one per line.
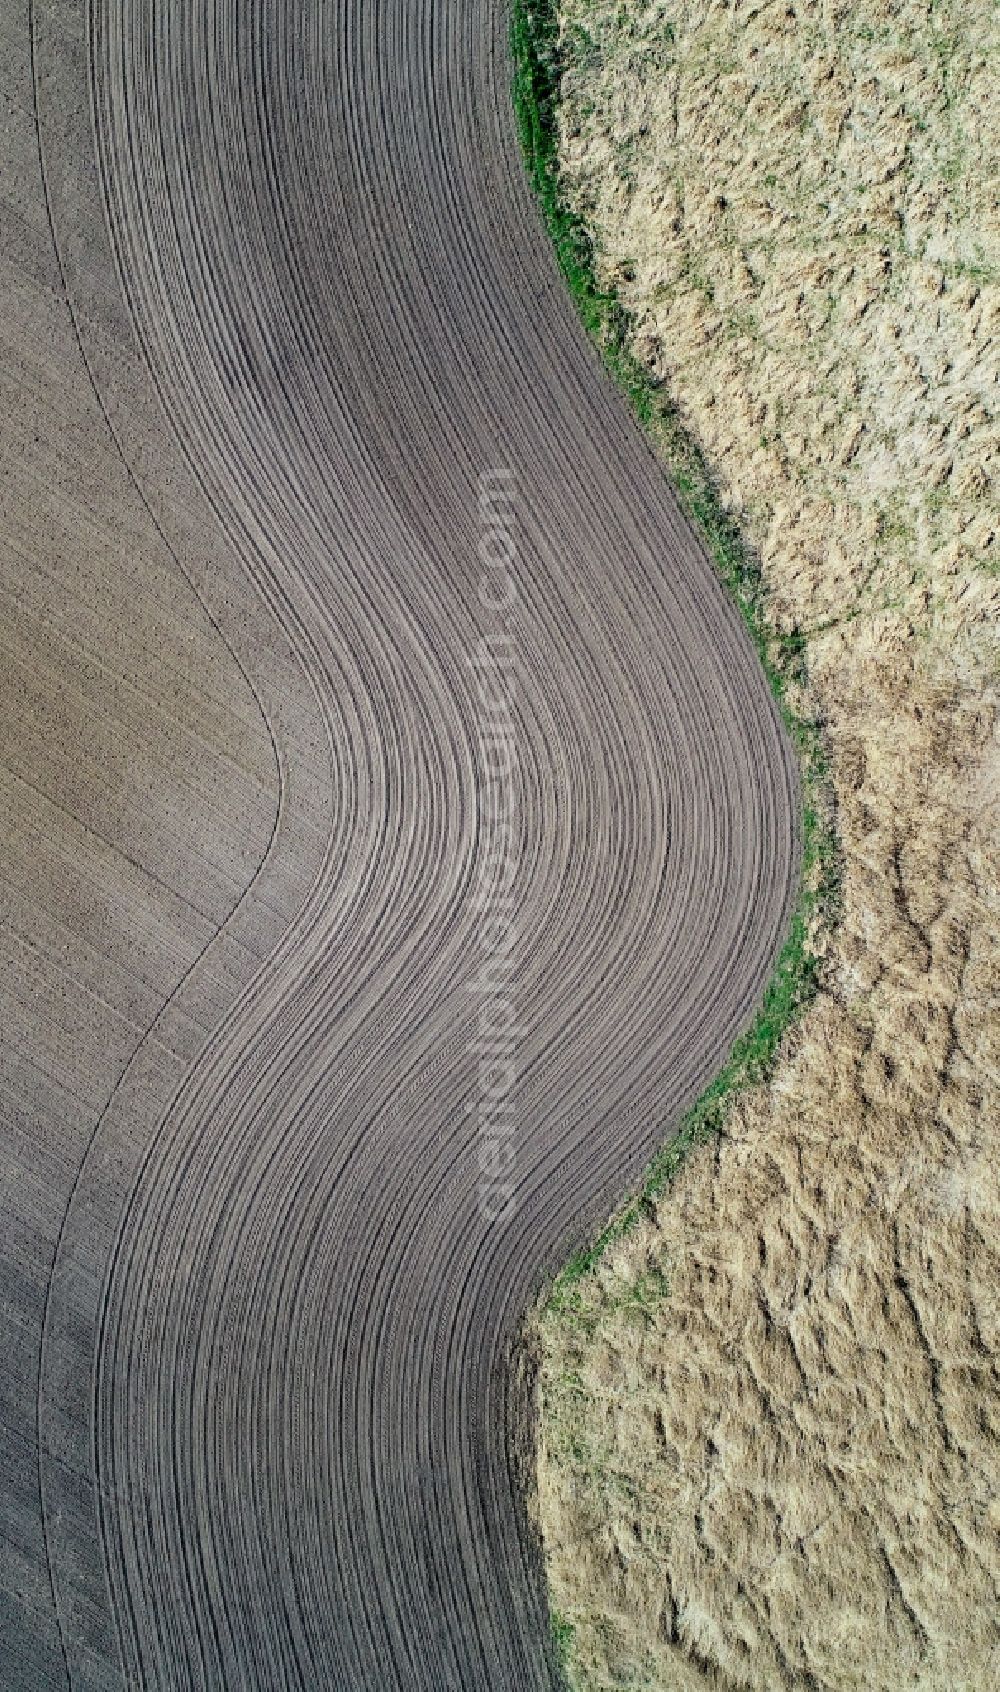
(309,1430)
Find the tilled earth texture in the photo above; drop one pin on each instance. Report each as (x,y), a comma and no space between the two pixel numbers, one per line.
(366,697)
(769,1431)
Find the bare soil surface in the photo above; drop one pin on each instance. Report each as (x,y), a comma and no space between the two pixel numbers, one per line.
(275,300)
(769,1451)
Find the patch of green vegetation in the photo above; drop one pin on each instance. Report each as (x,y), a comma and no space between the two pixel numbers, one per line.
(743,325)
(538,67)
(562,1639)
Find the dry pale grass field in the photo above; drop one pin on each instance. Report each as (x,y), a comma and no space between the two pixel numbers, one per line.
(769,1419)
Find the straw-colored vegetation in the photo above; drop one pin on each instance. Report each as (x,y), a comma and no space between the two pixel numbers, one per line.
(768,1412)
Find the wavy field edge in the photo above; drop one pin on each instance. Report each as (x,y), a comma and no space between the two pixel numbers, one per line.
(537,58)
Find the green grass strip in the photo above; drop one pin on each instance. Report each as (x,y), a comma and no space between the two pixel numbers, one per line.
(538,68)
(562,1640)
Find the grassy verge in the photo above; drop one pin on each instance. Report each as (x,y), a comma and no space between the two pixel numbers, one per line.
(536,90)
(562,1638)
